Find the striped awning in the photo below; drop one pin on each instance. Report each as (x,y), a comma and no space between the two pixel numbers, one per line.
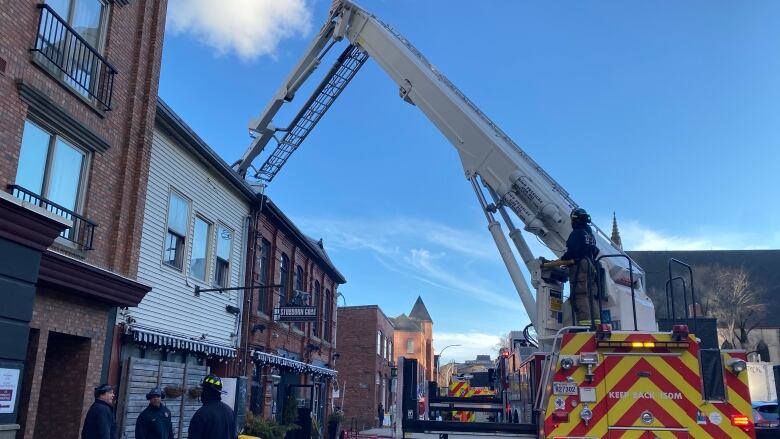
(299,366)
(180,342)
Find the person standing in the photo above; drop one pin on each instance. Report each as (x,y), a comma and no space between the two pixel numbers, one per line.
(100,422)
(215,419)
(155,421)
(582,251)
(380,413)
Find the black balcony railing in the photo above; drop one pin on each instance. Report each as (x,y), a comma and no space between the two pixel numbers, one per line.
(81,231)
(64,50)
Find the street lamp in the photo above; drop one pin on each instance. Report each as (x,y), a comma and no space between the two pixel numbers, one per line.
(440,358)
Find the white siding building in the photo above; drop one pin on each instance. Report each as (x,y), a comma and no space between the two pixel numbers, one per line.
(194,236)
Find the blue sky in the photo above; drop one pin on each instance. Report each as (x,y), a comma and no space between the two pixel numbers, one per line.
(664,112)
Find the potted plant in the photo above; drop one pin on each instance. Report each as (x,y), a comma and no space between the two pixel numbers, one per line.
(334,423)
(257,427)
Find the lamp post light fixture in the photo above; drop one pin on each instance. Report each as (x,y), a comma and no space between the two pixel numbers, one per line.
(440,358)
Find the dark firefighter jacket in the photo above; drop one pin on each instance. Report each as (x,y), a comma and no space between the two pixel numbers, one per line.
(154,423)
(581,243)
(214,420)
(100,422)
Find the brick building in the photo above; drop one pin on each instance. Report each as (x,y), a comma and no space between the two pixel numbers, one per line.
(289,268)
(365,343)
(78,86)
(414,338)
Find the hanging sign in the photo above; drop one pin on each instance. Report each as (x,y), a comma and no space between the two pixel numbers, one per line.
(295,314)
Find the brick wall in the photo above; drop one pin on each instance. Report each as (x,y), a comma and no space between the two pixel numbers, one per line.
(359,363)
(116,179)
(276,335)
(56,313)
(67,361)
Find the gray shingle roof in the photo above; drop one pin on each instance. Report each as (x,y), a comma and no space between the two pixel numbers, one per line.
(404,323)
(420,312)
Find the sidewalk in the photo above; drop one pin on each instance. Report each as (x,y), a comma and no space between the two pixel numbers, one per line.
(384,432)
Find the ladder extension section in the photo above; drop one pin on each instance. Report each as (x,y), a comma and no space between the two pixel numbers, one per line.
(323,97)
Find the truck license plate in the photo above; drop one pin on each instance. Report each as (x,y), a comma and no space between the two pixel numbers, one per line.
(560,388)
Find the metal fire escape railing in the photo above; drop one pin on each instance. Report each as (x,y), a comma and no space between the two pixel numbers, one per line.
(323,97)
(81,230)
(62,49)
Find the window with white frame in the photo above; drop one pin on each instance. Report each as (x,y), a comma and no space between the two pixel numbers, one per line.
(224,248)
(201,233)
(389,349)
(379,343)
(409,346)
(178,218)
(51,167)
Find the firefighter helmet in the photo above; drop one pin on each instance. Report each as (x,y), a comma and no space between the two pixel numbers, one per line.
(580,215)
(212,381)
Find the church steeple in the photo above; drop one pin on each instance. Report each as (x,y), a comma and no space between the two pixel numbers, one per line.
(615,233)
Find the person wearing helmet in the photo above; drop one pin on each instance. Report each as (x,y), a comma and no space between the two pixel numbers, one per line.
(215,419)
(100,422)
(155,421)
(582,251)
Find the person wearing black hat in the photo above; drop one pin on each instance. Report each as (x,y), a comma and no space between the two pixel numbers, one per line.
(155,421)
(100,422)
(581,251)
(215,419)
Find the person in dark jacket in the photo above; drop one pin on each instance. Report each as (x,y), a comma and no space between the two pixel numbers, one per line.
(100,422)
(380,413)
(155,421)
(582,251)
(215,419)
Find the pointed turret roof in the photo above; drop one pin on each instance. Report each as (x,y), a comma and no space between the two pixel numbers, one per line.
(404,323)
(420,312)
(615,233)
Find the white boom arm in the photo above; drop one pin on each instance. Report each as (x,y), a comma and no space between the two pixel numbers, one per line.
(486,152)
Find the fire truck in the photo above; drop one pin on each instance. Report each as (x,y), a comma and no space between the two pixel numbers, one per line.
(618,375)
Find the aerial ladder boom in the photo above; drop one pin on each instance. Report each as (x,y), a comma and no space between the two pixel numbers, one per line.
(489,157)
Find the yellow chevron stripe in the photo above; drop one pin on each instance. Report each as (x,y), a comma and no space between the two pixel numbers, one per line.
(734,398)
(576,343)
(619,370)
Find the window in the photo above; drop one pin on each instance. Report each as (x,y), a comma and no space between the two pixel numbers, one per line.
(224,248)
(389,349)
(379,343)
(265,249)
(87,18)
(200,249)
(326,316)
(284,273)
(316,303)
(299,278)
(299,281)
(84,16)
(409,346)
(178,214)
(51,167)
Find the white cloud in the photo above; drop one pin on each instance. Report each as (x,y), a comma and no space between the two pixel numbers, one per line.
(433,253)
(471,343)
(250,28)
